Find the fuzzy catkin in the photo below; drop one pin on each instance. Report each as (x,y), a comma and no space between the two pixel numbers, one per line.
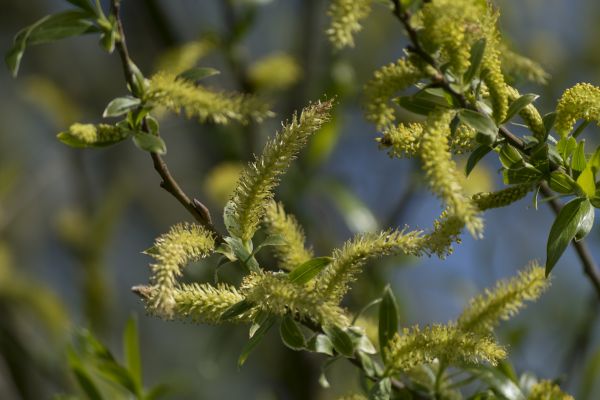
(255,186)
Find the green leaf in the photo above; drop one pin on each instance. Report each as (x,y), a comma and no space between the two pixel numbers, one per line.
(360,340)
(526,174)
(594,161)
(291,335)
(358,217)
(477,51)
(388,319)
(424,102)
(548,121)
(150,143)
(476,156)
(158,391)
(86,383)
(116,373)
(236,309)
(483,124)
(48,29)
(342,342)
(566,146)
(120,106)
(590,377)
(562,183)
(271,240)
(519,104)
(573,221)
(197,73)
(510,156)
(368,366)
(578,162)
(382,390)
(498,382)
(320,343)
(131,348)
(255,339)
(84,5)
(308,270)
(586,181)
(242,253)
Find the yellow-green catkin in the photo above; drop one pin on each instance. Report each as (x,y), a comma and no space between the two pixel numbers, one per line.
(172,251)
(89,135)
(274,72)
(255,187)
(166,89)
(530,115)
(502,198)
(204,303)
(446,232)
(492,76)
(294,252)
(178,59)
(582,101)
(442,173)
(346,17)
(275,294)
(348,261)
(505,300)
(547,390)
(518,67)
(386,82)
(446,343)
(404,140)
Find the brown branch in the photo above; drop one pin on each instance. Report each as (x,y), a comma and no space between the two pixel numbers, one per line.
(198,210)
(589,266)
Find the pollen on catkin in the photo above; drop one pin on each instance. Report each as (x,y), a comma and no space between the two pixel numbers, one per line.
(277,222)
(275,294)
(501,198)
(447,343)
(442,173)
(348,261)
(254,189)
(346,16)
(90,135)
(387,81)
(547,390)
(167,89)
(582,101)
(505,300)
(172,251)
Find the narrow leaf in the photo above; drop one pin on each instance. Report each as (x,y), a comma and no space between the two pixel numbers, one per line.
(197,73)
(320,344)
(480,122)
(476,156)
(291,335)
(255,340)
(578,162)
(236,309)
(388,318)
(308,270)
(342,342)
(572,220)
(147,142)
(131,348)
(120,106)
(477,51)
(519,104)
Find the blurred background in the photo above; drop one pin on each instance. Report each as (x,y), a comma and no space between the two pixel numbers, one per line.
(73,223)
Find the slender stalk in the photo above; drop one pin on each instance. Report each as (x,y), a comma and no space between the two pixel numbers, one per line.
(198,210)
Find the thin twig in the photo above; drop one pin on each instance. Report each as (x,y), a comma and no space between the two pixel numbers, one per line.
(198,210)
(589,266)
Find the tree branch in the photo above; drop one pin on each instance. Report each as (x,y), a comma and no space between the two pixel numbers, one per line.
(589,266)
(198,210)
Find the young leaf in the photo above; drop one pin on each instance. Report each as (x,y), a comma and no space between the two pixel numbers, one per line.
(197,73)
(526,174)
(131,348)
(388,318)
(342,342)
(578,161)
(236,309)
(382,390)
(548,121)
(243,254)
(423,102)
(291,335)
(477,51)
(320,344)
(360,340)
(308,270)
(368,366)
(272,240)
(574,220)
(120,106)
(255,339)
(586,181)
(86,383)
(519,104)
(510,157)
(566,146)
(150,143)
(562,183)
(116,373)
(476,156)
(481,123)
